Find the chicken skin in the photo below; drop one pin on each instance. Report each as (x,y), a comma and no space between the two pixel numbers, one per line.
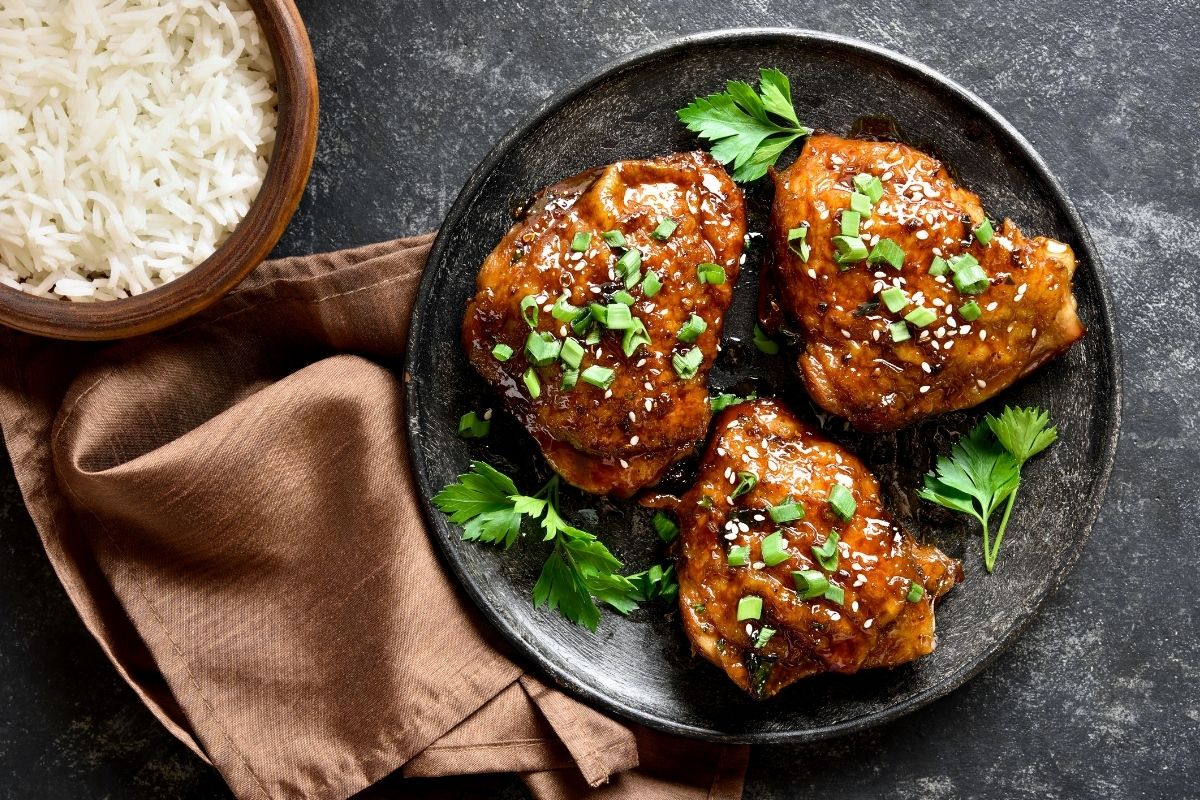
(764,592)
(940,319)
(597,317)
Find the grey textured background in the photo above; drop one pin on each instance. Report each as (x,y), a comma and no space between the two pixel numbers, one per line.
(1098,699)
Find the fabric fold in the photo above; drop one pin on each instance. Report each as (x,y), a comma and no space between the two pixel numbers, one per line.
(229,506)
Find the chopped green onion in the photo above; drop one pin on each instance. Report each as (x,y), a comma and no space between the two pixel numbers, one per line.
(849,250)
(765,343)
(651,283)
(938,266)
(971,279)
(764,636)
(598,376)
(710,273)
(774,550)
(564,311)
(899,331)
(827,553)
(529,310)
(850,222)
(886,250)
(842,501)
(532,383)
(502,352)
(664,526)
(724,401)
(599,313)
(581,241)
(749,608)
(665,229)
(691,329)
(810,583)
(570,378)
(471,426)
(787,511)
(582,321)
(593,337)
(970,311)
(983,232)
(623,297)
(962,260)
(615,238)
(617,317)
(894,298)
(860,203)
(541,348)
(635,336)
(915,592)
(869,185)
(746,483)
(801,235)
(688,364)
(835,594)
(739,555)
(630,265)
(921,316)
(571,352)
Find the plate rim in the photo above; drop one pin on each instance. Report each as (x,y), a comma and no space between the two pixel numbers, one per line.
(1103,326)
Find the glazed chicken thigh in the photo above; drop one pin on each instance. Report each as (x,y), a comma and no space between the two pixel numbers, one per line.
(790,566)
(928,312)
(597,317)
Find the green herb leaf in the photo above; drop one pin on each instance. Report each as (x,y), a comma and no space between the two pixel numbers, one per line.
(748,129)
(579,571)
(981,473)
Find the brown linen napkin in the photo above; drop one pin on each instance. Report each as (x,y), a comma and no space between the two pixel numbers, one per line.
(228,505)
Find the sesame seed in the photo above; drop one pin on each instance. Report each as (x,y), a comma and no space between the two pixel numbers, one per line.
(812,273)
(992,306)
(854,606)
(1033,334)
(939,302)
(981,383)
(624,464)
(922,235)
(925,367)
(758,564)
(949,343)
(721,451)
(869,623)
(880,274)
(835,616)
(632,417)
(982,334)
(487,414)
(649,404)
(649,386)
(749,629)
(940,278)
(608,394)
(743,527)
(964,329)
(846,333)
(633,440)
(641,362)
(759,518)
(924,389)
(730,537)
(875,334)
(952,322)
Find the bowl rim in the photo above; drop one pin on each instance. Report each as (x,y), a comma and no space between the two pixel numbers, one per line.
(1104,326)
(250,242)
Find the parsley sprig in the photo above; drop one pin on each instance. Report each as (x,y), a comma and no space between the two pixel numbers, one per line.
(579,571)
(748,129)
(984,469)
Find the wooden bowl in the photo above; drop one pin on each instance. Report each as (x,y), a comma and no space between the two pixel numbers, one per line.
(251,240)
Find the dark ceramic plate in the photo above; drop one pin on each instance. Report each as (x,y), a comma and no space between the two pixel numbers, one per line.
(640,667)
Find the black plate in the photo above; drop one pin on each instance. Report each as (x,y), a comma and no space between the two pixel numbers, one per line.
(640,667)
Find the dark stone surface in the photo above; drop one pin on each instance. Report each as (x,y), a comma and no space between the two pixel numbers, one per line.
(1098,699)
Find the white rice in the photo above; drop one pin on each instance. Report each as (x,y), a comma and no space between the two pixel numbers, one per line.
(134,135)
